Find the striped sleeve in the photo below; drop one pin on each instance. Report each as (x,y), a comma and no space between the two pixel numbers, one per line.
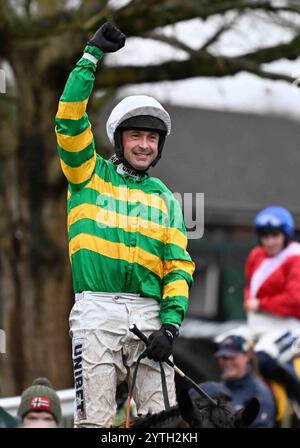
(178,270)
(76,146)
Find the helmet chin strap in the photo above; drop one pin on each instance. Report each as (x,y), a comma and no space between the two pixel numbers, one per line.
(127,164)
(127,168)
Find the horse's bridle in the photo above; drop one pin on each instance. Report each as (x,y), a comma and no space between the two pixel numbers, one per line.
(130,393)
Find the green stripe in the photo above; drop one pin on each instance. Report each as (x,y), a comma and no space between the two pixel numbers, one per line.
(78,89)
(116,235)
(91,269)
(173,310)
(116,180)
(80,82)
(175,252)
(178,274)
(90,196)
(77,187)
(72,127)
(175,214)
(75,159)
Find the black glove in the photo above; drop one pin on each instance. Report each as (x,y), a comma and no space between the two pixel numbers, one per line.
(161,341)
(108,38)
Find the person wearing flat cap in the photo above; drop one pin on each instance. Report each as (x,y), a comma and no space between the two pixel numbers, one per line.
(234,356)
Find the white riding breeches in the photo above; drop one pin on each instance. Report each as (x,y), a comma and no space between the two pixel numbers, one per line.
(105,354)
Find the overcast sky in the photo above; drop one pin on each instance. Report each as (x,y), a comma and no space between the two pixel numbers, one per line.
(243,92)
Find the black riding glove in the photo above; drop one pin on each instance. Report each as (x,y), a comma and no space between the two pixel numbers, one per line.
(108,38)
(161,341)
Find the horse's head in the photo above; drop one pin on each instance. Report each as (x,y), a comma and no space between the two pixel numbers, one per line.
(200,413)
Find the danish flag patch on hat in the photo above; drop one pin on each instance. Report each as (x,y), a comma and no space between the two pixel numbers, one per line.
(40,404)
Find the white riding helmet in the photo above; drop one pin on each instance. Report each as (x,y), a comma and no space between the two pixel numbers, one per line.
(138,111)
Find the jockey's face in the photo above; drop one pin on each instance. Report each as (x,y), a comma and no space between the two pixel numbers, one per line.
(273,243)
(140,147)
(234,368)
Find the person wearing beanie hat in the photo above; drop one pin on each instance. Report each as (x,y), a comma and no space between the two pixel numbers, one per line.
(127,245)
(40,405)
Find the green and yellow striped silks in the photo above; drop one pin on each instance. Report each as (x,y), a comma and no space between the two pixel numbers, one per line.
(123,234)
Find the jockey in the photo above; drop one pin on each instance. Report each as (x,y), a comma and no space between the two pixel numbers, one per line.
(272,297)
(127,245)
(272,294)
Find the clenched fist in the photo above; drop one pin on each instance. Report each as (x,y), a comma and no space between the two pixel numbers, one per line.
(160,343)
(108,38)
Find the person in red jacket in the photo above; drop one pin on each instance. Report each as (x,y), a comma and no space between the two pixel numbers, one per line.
(272,294)
(272,297)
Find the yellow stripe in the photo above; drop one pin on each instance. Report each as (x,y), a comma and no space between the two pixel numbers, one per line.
(128,223)
(81,173)
(175,236)
(113,219)
(171,265)
(116,251)
(176,288)
(280,400)
(75,143)
(124,194)
(68,195)
(296,363)
(71,110)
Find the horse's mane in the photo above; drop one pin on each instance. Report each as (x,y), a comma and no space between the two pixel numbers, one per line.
(200,413)
(206,416)
(164,419)
(211,416)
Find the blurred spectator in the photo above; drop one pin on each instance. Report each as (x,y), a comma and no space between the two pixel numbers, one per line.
(272,293)
(272,297)
(234,356)
(215,389)
(40,406)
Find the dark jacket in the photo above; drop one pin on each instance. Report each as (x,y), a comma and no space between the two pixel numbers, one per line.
(243,389)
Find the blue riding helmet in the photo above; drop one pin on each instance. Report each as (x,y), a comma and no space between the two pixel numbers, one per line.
(275,218)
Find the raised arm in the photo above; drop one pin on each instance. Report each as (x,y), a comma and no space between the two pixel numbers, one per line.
(75,140)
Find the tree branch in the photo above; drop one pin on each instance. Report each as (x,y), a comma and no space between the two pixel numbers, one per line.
(163,13)
(225,27)
(290,50)
(172,41)
(172,11)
